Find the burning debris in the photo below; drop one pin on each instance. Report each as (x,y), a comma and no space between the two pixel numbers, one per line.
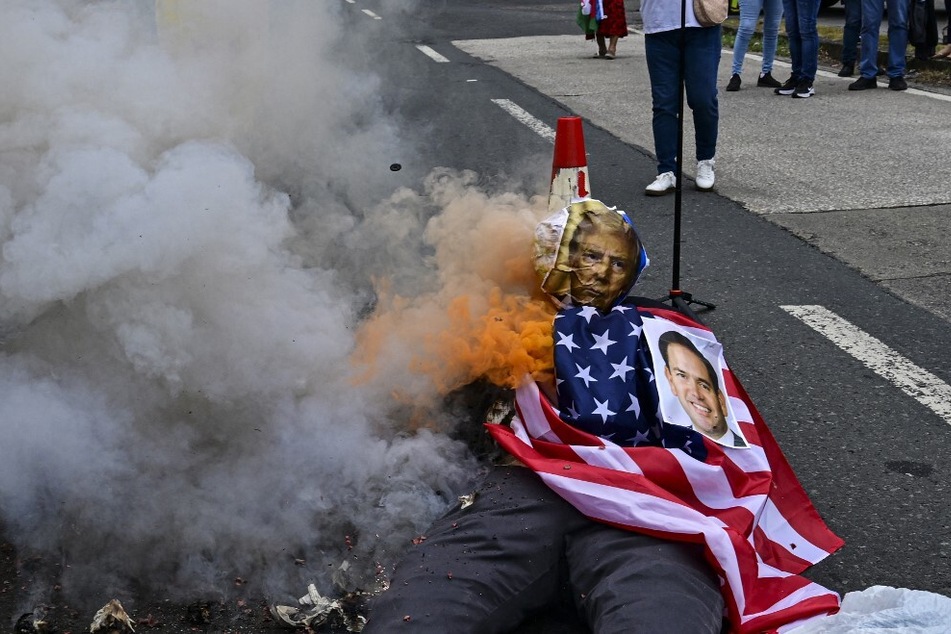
(500,412)
(317,610)
(466,501)
(32,622)
(111,619)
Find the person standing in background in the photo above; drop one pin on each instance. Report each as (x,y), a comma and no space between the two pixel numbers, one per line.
(872,11)
(946,40)
(803,35)
(850,36)
(699,47)
(749,17)
(605,22)
(923,28)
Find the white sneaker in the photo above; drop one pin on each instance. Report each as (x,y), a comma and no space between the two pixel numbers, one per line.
(662,184)
(705,175)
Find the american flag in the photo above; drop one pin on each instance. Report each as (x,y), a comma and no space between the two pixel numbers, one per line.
(606,383)
(759,528)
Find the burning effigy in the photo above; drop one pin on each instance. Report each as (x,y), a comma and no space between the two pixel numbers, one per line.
(638,431)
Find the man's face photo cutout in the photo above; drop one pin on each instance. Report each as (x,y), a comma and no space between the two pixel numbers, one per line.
(691,393)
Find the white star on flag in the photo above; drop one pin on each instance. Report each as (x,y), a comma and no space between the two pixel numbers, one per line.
(621,369)
(635,405)
(639,437)
(585,375)
(602,342)
(567,341)
(588,312)
(602,410)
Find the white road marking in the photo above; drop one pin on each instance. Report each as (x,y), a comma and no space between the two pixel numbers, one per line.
(372,15)
(916,382)
(541,129)
(431,53)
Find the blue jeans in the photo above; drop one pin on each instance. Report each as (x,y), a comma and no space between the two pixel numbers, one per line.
(897,36)
(803,37)
(749,16)
(701,61)
(851,30)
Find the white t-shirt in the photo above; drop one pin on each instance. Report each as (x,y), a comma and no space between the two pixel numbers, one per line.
(664,15)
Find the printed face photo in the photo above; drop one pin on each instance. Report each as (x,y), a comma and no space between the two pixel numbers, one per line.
(691,380)
(690,384)
(597,259)
(602,261)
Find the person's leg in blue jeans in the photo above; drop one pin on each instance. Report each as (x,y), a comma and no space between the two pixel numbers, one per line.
(850,36)
(897,37)
(663,66)
(871,21)
(791,11)
(749,17)
(772,16)
(702,48)
(807,12)
(700,84)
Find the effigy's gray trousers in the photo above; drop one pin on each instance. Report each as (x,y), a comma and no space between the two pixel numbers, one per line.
(520,548)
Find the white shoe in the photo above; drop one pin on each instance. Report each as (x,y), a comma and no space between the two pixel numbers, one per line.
(705,175)
(662,184)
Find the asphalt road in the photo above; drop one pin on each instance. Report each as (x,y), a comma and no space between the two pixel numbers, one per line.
(839,202)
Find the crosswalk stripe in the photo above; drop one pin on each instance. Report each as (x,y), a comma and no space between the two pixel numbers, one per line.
(915,381)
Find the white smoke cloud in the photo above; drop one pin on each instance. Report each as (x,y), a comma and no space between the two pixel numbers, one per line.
(187,237)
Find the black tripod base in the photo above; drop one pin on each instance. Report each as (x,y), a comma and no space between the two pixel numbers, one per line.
(682,300)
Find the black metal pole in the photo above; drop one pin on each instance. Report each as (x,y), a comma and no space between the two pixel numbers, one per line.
(680,299)
(679,170)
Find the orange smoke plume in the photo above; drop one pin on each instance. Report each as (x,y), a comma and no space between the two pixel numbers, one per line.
(484,317)
(509,341)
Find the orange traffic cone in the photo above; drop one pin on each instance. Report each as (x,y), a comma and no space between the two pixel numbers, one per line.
(569,169)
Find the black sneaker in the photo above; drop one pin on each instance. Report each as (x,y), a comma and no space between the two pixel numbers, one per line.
(803,90)
(768,81)
(863,83)
(788,88)
(897,83)
(847,70)
(734,84)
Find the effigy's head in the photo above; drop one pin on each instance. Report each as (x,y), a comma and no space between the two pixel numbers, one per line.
(588,254)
